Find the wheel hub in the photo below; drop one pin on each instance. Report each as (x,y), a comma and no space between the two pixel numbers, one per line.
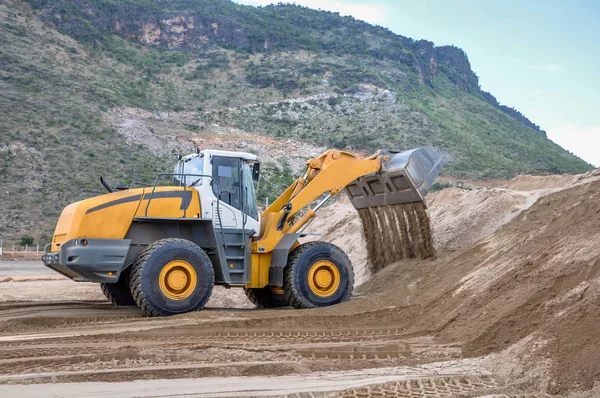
(177,280)
(324,278)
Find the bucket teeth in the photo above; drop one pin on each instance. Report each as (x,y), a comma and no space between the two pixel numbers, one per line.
(404,178)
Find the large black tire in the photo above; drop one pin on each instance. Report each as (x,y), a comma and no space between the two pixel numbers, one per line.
(266,297)
(297,288)
(146,271)
(119,293)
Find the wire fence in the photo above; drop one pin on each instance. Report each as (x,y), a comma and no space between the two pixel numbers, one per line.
(14,251)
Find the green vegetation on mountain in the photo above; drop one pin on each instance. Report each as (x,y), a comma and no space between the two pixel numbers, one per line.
(70,70)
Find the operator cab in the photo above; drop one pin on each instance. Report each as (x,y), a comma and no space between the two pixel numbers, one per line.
(225,183)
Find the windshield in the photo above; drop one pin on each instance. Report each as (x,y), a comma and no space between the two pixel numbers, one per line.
(194,165)
(248,194)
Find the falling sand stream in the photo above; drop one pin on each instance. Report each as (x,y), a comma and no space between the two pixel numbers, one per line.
(395,232)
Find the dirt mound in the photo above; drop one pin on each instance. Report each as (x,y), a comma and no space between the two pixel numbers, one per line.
(461,217)
(542,278)
(552,183)
(532,183)
(535,284)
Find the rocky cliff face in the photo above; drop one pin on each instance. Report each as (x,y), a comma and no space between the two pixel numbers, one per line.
(205,24)
(219,23)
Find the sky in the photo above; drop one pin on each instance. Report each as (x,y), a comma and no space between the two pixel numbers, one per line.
(541,57)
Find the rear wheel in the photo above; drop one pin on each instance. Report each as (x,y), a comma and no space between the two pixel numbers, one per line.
(267,297)
(171,276)
(119,293)
(318,274)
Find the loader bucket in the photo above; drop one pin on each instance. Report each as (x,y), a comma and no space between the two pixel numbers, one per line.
(404,178)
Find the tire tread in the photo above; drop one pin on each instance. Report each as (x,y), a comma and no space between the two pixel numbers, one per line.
(292,294)
(119,293)
(135,275)
(262,300)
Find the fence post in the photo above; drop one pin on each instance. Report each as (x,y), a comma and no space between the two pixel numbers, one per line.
(13,250)
(25,255)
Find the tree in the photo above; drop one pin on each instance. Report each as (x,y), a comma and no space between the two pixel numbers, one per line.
(26,240)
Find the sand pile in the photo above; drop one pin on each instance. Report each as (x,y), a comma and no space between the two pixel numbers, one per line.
(461,217)
(538,277)
(395,232)
(531,290)
(532,183)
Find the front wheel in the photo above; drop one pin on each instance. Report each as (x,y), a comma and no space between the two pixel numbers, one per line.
(171,276)
(318,274)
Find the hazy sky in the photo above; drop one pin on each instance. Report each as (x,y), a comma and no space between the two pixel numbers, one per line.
(540,56)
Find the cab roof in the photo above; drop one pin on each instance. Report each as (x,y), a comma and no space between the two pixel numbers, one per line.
(230,154)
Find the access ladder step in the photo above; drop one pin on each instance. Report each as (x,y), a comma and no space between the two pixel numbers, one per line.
(235,257)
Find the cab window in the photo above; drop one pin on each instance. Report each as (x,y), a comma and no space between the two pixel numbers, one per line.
(248,194)
(193,165)
(227,176)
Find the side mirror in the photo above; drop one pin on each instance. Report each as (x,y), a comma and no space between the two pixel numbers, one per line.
(256,171)
(121,187)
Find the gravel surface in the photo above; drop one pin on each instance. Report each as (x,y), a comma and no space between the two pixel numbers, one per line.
(22,268)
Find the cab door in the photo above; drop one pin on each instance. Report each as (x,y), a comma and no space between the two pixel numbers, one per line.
(251,217)
(234,200)
(226,187)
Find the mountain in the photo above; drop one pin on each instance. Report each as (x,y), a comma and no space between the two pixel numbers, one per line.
(118,88)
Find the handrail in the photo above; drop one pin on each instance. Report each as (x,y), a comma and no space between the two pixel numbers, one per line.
(139,183)
(219,216)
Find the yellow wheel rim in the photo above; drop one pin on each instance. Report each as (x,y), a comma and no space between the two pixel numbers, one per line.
(177,280)
(324,278)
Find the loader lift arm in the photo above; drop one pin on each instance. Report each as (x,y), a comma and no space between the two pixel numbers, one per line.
(328,173)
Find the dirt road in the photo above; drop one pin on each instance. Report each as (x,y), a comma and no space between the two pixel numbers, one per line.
(23,268)
(414,380)
(231,350)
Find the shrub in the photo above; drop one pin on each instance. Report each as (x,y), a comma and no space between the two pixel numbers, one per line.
(26,240)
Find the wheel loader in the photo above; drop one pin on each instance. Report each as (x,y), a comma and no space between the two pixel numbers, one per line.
(163,246)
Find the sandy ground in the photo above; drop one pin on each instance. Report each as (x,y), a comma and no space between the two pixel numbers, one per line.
(437,377)
(508,309)
(24,268)
(20,271)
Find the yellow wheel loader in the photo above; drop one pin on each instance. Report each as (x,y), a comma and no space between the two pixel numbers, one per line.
(163,247)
